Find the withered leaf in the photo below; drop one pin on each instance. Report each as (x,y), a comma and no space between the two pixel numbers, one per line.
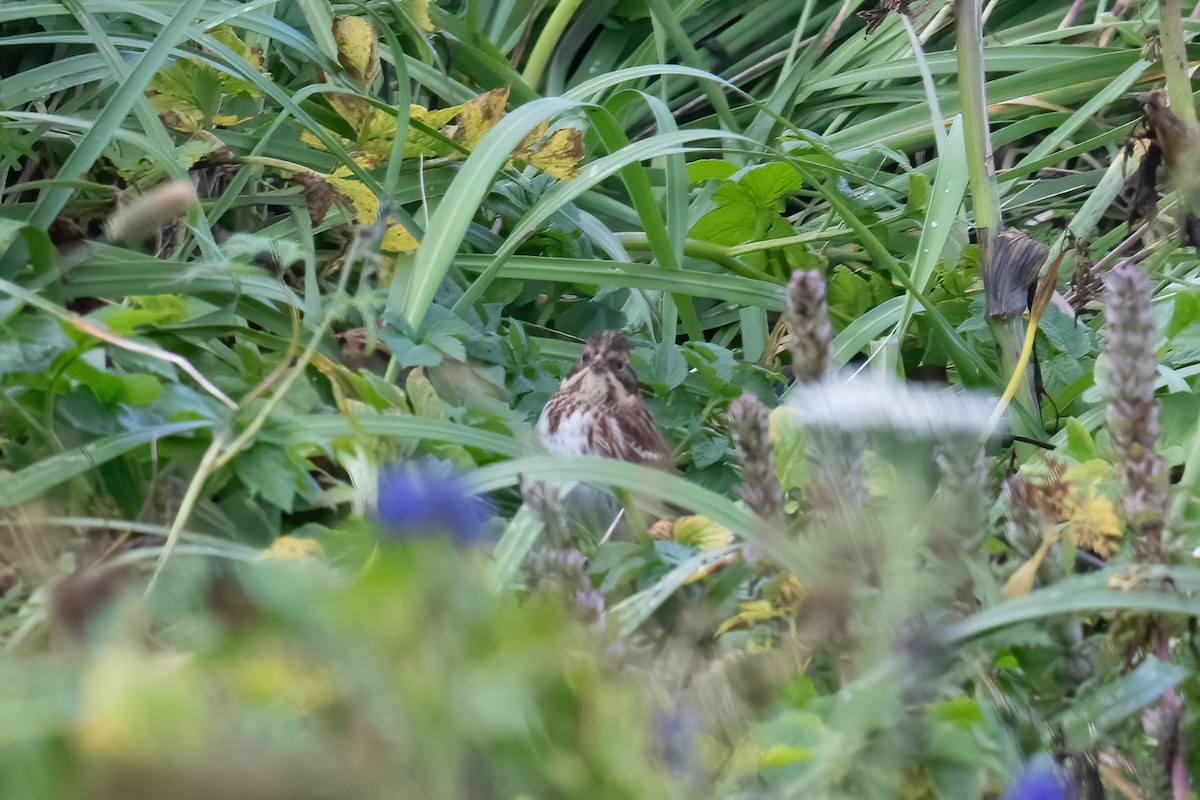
(480,115)
(358,49)
(318,195)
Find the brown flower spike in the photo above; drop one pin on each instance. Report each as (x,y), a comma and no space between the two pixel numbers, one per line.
(760,483)
(807,319)
(1132,415)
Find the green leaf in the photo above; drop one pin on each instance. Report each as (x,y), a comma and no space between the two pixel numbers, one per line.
(29,343)
(270,473)
(708,450)
(709,169)
(35,479)
(1080,445)
(769,183)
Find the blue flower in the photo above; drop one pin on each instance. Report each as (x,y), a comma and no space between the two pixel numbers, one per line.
(1038,781)
(421,500)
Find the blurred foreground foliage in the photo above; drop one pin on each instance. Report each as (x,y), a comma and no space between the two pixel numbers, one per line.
(291,679)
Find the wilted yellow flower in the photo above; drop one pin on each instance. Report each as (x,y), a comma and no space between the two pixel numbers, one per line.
(292,548)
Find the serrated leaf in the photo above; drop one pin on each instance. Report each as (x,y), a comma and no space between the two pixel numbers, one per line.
(708,450)
(226,35)
(732,222)
(186,94)
(268,472)
(770,183)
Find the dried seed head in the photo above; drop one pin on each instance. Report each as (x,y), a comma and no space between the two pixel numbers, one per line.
(1132,415)
(1011,270)
(760,483)
(147,214)
(808,323)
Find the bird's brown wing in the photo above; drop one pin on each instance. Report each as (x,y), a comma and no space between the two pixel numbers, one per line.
(638,439)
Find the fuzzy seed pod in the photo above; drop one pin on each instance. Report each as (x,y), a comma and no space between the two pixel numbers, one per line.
(760,483)
(147,214)
(807,320)
(1132,415)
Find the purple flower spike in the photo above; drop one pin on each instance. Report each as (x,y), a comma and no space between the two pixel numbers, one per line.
(1039,781)
(416,500)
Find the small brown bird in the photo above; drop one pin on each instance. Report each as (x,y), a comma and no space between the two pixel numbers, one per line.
(599,411)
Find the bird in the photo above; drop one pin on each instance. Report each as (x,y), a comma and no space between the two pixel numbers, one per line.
(599,410)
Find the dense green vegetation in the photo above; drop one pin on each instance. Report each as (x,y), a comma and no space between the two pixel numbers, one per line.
(912,289)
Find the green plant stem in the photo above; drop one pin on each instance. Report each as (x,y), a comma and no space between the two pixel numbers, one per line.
(539,57)
(980,165)
(1175,61)
(981,172)
(694,248)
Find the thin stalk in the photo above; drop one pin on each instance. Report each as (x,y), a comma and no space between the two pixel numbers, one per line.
(694,248)
(981,168)
(1175,61)
(981,172)
(795,45)
(547,40)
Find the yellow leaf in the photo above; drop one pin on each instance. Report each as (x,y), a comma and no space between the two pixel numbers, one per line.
(1021,582)
(662,529)
(397,239)
(134,705)
(752,612)
(781,755)
(227,120)
(434,118)
(532,138)
(419,11)
(480,115)
(1092,523)
(701,533)
(1092,471)
(377,132)
(225,34)
(423,397)
(358,49)
(291,548)
(355,110)
(421,141)
(558,156)
(280,679)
